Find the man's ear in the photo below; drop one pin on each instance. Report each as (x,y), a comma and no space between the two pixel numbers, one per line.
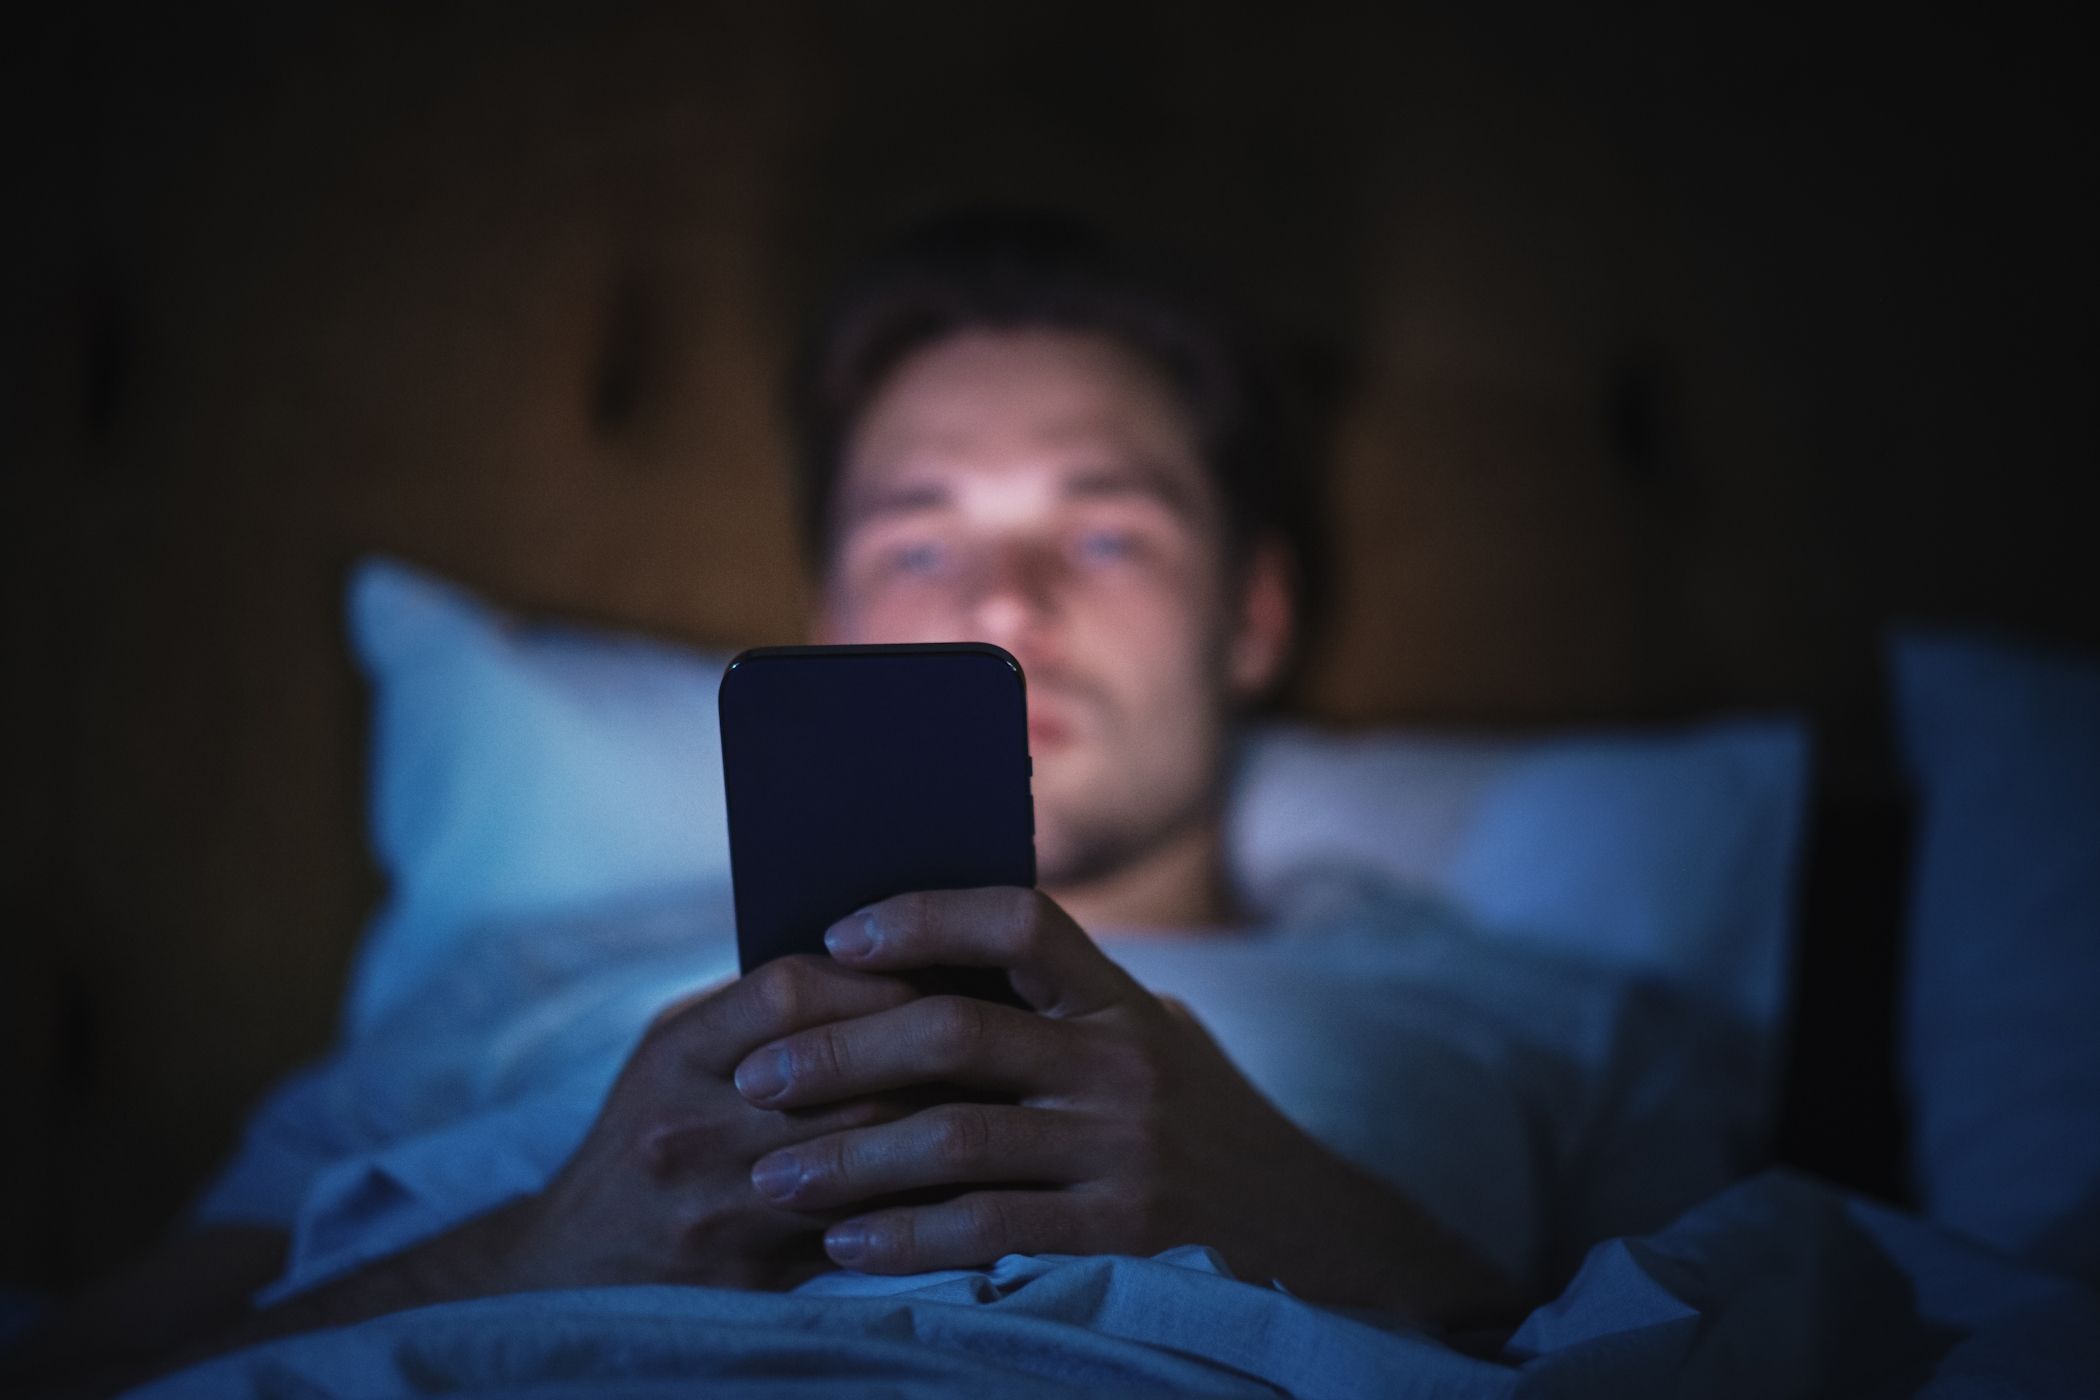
(1264,629)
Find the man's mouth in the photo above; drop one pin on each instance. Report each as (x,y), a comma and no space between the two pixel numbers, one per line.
(1062,708)
(1047,732)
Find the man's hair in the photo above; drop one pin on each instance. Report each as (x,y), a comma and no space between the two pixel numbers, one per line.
(1019,271)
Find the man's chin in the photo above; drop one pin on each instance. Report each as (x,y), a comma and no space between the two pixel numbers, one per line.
(1053,861)
(1095,818)
(1068,856)
(1061,863)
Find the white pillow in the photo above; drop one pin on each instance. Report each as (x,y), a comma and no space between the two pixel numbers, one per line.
(1668,852)
(521,768)
(2002,972)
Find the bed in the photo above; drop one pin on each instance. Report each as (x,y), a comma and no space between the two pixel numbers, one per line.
(535,826)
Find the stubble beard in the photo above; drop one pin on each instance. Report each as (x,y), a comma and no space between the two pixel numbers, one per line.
(1105,833)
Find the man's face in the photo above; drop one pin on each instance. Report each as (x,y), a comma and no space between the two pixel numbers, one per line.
(1042,490)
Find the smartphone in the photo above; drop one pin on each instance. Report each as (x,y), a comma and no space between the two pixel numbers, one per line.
(854,773)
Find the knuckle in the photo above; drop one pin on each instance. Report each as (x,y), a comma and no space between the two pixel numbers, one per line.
(663,1148)
(671,1044)
(960,1134)
(960,1030)
(696,1232)
(822,1163)
(889,993)
(1136,1073)
(1023,929)
(651,1152)
(819,1057)
(864,1113)
(782,989)
(985,1224)
(897,1240)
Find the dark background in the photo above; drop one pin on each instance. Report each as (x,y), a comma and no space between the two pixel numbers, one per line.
(1677,351)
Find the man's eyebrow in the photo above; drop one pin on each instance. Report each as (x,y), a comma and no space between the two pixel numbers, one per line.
(863,506)
(1137,479)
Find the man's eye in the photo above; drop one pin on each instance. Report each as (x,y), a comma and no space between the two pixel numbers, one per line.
(919,560)
(1105,546)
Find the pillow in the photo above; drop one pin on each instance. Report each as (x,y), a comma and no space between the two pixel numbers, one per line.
(521,768)
(1670,852)
(2002,975)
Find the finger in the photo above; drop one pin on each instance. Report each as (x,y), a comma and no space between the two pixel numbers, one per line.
(674,1007)
(786,995)
(698,1145)
(970,1230)
(943,1146)
(1051,962)
(934,1040)
(791,1129)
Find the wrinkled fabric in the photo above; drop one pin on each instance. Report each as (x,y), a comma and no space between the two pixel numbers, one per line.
(1779,1286)
(1537,1105)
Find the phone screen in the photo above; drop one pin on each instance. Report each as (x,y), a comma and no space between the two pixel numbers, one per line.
(854,773)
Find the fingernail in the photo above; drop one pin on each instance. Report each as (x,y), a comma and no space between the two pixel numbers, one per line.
(763,1076)
(847,1242)
(777,1176)
(850,937)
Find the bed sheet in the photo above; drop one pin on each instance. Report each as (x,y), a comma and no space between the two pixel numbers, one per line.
(1537,1104)
(1777,1286)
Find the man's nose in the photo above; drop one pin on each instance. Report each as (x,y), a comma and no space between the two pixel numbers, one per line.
(1016,594)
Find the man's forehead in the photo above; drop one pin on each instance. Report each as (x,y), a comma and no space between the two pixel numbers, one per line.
(1024,415)
(1014,489)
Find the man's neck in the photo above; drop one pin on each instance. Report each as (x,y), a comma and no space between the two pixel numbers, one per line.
(1177,887)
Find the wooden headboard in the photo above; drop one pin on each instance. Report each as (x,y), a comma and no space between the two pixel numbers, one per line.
(1635,420)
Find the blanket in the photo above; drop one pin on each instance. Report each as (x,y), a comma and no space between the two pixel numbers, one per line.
(1576,1124)
(1779,1286)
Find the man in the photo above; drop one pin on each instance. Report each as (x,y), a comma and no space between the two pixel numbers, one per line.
(1009,442)
(1008,437)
